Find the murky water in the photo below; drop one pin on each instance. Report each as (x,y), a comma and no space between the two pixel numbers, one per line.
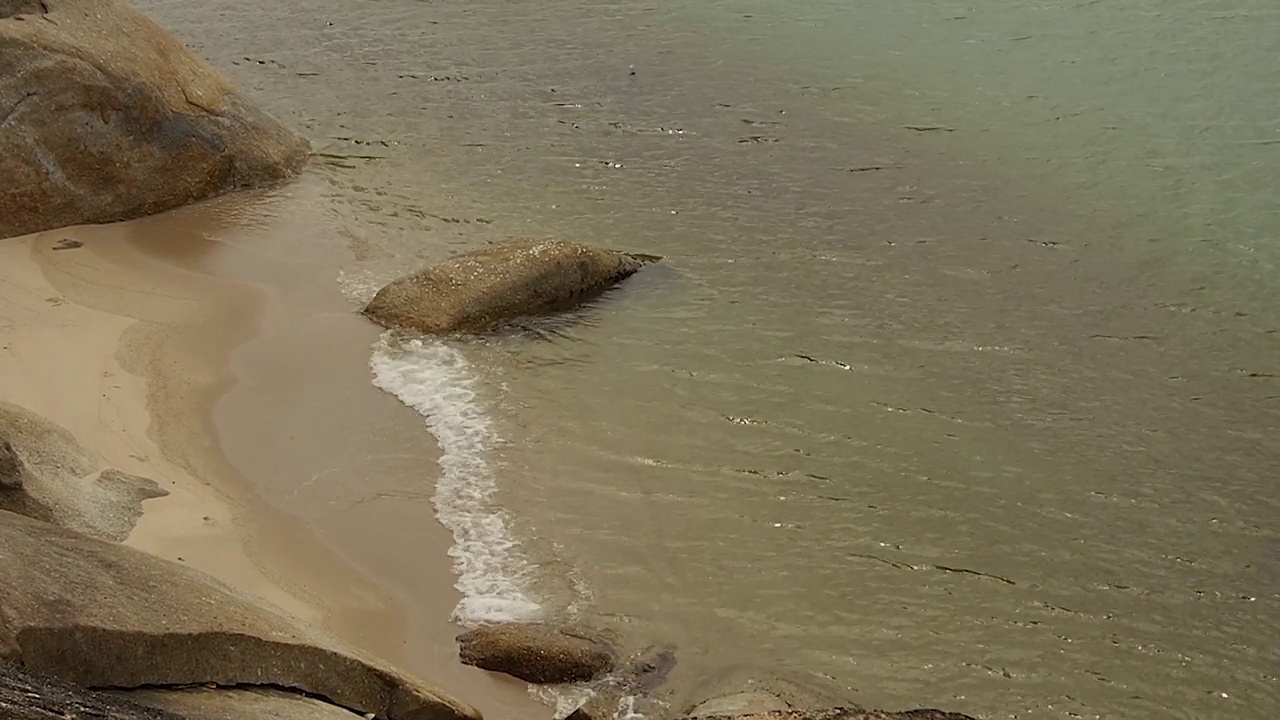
(960,385)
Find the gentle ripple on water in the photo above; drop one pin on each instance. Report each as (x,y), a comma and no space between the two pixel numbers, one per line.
(890,412)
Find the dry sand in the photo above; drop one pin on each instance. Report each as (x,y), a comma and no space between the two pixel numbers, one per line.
(210,349)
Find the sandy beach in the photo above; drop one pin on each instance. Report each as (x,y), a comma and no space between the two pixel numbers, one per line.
(159,342)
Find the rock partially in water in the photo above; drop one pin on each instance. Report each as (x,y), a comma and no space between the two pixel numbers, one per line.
(480,291)
(747,693)
(636,683)
(751,702)
(748,690)
(102,615)
(94,129)
(26,695)
(539,654)
(57,480)
(851,713)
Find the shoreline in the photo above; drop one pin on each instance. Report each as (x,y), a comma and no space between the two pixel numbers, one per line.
(175,325)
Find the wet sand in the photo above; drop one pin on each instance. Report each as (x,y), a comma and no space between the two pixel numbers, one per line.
(195,348)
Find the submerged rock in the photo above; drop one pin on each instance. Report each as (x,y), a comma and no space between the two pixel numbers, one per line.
(59,481)
(748,689)
(539,654)
(102,615)
(94,129)
(851,713)
(750,702)
(629,689)
(481,290)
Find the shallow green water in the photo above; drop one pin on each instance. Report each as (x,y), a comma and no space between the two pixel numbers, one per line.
(981,417)
(1160,111)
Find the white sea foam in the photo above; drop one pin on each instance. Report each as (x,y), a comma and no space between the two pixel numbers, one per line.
(564,699)
(359,286)
(436,380)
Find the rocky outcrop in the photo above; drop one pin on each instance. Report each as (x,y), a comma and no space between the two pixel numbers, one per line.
(539,654)
(102,615)
(30,696)
(93,129)
(480,291)
(202,703)
(58,481)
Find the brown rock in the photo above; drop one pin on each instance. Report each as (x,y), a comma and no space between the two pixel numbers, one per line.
(540,654)
(102,615)
(481,290)
(93,129)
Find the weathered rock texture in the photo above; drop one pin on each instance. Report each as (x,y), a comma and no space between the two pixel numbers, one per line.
(102,615)
(480,291)
(30,696)
(58,481)
(203,703)
(94,128)
(540,654)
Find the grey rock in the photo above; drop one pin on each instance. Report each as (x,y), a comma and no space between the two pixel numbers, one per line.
(60,483)
(480,291)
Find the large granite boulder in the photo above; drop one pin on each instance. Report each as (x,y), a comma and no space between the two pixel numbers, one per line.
(480,291)
(102,615)
(52,477)
(104,116)
(539,654)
